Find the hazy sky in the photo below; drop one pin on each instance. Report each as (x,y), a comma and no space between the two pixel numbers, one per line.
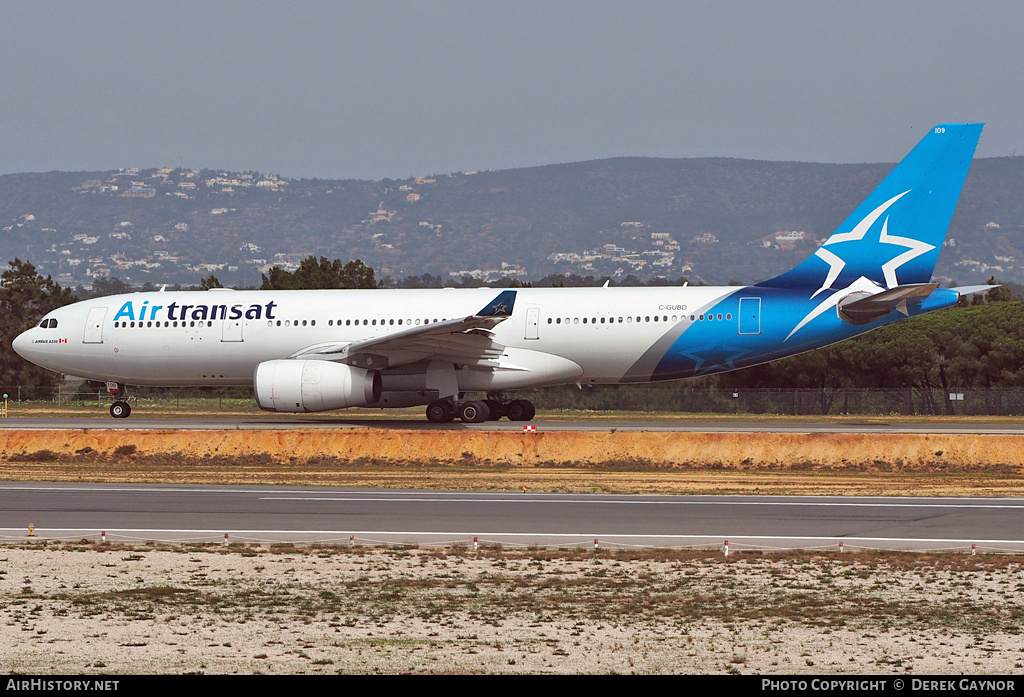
(324,88)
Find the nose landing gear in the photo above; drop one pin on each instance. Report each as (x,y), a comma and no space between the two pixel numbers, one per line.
(120,409)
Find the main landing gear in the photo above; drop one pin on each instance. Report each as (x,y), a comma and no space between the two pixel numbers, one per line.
(120,409)
(444,411)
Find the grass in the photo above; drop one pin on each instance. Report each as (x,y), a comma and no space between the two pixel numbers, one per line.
(232,408)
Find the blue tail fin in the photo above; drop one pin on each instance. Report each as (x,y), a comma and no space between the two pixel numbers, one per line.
(894,237)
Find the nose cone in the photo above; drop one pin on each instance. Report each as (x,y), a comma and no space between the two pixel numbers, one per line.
(21,345)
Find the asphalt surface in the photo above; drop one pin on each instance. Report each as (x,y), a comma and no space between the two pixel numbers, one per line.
(139,513)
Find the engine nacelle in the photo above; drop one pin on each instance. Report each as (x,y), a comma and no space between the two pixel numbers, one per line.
(304,386)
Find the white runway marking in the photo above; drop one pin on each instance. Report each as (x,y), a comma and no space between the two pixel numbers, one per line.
(463,536)
(647,502)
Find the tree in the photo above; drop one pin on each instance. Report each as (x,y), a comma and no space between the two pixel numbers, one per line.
(110,286)
(313,273)
(25,297)
(209,282)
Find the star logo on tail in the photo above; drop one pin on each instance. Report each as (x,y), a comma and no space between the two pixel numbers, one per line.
(861,256)
(869,253)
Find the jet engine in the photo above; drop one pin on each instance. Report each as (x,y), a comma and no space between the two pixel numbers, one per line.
(304,386)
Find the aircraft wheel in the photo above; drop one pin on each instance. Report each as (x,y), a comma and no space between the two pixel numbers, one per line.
(440,412)
(473,412)
(120,410)
(520,410)
(495,408)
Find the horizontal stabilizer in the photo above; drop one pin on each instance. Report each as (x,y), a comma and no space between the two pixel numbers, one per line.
(972,290)
(862,308)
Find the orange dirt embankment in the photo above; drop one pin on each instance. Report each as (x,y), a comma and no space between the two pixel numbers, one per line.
(622,449)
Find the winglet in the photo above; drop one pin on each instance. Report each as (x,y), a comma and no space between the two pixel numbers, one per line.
(501,306)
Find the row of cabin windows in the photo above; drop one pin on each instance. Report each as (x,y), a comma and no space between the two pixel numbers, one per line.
(357,322)
(132,325)
(51,323)
(373,322)
(628,320)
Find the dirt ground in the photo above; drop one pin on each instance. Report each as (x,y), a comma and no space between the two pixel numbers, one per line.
(91,609)
(604,461)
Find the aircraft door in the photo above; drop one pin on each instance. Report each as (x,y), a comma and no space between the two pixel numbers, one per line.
(94,326)
(750,316)
(532,323)
(232,330)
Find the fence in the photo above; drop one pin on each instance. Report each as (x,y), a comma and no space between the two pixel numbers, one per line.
(905,401)
(668,398)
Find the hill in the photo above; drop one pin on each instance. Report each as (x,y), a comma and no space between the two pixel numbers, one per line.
(709,220)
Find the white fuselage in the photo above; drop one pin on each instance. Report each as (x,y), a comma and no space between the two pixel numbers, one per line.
(219,337)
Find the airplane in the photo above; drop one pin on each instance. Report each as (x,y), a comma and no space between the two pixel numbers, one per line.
(317,350)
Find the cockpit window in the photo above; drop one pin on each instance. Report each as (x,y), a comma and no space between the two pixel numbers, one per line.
(53,324)
(48,324)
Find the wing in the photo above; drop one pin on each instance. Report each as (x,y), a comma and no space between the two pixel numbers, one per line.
(467,341)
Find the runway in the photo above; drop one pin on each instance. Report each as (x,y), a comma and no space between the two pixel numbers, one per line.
(142,423)
(139,513)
